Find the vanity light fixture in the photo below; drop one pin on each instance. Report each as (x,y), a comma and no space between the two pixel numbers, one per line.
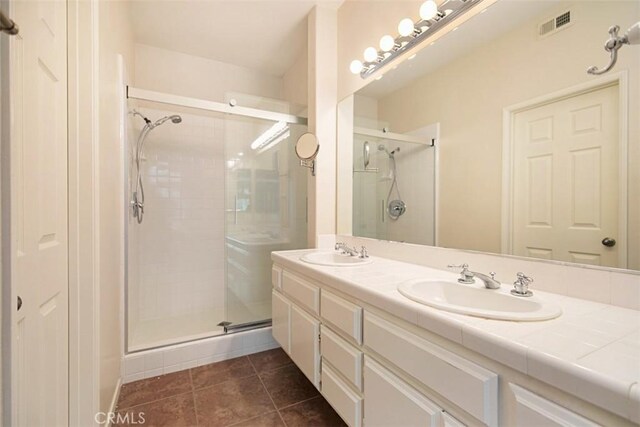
(387,43)
(411,34)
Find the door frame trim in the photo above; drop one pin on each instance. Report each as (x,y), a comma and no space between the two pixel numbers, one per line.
(84,207)
(508,117)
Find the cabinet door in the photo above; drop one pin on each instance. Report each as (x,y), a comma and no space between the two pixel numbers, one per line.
(305,344)
(389,401)
(281,320)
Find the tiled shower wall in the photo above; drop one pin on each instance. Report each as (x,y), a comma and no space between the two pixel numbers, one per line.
(181,240)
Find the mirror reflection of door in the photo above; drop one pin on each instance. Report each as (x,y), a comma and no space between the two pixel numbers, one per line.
(565,175)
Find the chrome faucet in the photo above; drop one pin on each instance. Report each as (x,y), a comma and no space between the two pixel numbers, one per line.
(521,286)
(346,249)
(467,277)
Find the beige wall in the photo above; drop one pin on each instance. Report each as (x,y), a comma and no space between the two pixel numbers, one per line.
(115,38)
(467,97)
(295,82)
(187,75)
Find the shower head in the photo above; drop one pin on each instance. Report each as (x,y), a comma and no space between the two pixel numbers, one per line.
(381,147)
(174,119)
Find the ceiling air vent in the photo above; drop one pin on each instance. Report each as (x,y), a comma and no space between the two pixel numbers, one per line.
(554,24)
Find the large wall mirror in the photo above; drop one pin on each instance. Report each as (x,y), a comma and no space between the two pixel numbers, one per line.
(495,139)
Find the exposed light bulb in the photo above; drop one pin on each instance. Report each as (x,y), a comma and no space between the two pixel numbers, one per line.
(428,10)
(405,28)
(356,66)
(387,43)
(370,54)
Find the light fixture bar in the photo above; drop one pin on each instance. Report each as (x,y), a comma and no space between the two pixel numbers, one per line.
(423,29)
(270,135)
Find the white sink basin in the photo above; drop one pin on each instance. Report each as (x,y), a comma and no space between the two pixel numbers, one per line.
(480,302)
(334,259)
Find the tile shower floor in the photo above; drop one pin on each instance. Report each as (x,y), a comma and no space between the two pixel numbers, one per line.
(262,389)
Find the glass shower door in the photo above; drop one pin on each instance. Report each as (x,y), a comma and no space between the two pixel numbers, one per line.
(265,206)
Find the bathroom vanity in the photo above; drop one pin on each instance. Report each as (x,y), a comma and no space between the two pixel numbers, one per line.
(380,358)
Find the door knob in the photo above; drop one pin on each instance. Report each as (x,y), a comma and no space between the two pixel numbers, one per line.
(609,242)
(19,303)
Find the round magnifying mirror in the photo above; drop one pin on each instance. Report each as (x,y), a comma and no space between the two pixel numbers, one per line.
(307,146)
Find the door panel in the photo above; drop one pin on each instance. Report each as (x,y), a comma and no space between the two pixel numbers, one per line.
(566,179)
(39,213)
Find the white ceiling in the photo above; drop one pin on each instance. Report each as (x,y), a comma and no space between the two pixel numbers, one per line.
(265,35)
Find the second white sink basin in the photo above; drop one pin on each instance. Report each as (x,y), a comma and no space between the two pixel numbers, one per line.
(480,302)
(334,259)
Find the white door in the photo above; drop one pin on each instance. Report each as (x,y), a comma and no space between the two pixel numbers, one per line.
(39,214)
(565,179)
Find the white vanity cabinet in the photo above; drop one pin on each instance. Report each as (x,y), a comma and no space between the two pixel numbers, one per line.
(375,370)
(295,303)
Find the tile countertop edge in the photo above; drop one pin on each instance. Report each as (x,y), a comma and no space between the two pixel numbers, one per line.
(563,374)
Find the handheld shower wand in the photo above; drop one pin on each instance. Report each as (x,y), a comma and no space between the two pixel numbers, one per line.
(137,202)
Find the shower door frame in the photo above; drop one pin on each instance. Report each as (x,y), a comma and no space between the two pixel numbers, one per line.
(198,104)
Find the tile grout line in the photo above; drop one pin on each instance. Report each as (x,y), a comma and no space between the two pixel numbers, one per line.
(302,401)
(193,396)
(151,401)
(229,379)
(267,391)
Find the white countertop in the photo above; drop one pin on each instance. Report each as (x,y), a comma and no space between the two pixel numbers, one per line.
(591,351)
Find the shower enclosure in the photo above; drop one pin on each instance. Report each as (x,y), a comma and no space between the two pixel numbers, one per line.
(394,185)
(222,189)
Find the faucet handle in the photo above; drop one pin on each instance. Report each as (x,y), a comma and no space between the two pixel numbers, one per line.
(521,285)
(364,253)
(524,279)
(462,266)
(493,275)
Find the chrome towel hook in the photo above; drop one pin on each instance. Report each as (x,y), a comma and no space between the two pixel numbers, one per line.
(615,42)
(7,25)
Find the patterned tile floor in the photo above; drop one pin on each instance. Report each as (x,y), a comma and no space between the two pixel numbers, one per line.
(262,389)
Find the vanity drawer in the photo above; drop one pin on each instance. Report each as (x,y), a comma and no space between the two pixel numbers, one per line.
(341,355)
(345,316)
(276,277)
(345,401)
(533,410)
(306,294)
(470,386)
(393,402)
